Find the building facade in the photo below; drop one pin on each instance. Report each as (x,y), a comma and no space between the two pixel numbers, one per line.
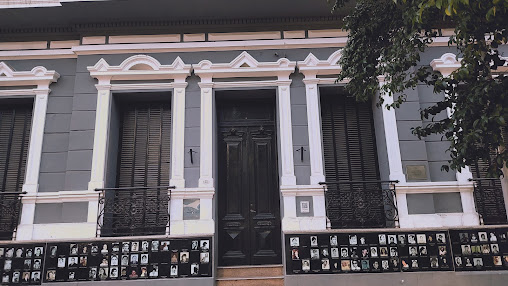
(206,139)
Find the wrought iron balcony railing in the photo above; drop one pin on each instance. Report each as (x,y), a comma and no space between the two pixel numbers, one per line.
(10,210)
(361,204)
(489,201)
(133,211)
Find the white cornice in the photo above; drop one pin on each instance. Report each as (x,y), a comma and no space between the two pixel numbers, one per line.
(139,67)
(449,62)
(245,65)
(38,76)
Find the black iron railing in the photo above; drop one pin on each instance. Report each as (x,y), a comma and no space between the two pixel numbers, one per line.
(361,204)
(10,211)
(489,201)
(133,211)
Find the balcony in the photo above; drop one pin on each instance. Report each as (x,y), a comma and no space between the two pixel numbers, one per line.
(361,204)
(133,211)
(10,210)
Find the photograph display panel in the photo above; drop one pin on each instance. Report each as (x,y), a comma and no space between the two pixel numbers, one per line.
(128,260)
(368,252)
(21,263)
(480,249)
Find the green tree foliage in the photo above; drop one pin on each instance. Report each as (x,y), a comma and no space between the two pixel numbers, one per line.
(387,37)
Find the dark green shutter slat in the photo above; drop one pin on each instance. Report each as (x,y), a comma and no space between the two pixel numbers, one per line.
(350,155)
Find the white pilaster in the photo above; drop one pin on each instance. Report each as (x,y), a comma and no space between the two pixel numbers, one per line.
(33,164)
(26,224)
(391,137)
(206,134)
(178,143)
(288,177)
(314,128)
(504,185)
(102,118)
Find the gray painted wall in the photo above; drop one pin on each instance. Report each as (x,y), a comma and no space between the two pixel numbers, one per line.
(69,130)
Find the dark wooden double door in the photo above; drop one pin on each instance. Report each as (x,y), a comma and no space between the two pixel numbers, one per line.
(248,196)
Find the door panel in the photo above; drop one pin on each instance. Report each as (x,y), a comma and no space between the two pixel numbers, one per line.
(249,212)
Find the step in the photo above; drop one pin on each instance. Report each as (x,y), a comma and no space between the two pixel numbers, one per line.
(252,281)
(250,271)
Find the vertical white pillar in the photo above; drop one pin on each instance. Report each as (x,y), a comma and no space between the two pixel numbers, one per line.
(102,118)
(26,223)
(206,134)
(33,163)
(285,132)
(504,185)
(178,134)
(470,216)
(391,137)
(314,128)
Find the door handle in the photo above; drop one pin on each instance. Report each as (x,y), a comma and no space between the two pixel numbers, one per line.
(252,209)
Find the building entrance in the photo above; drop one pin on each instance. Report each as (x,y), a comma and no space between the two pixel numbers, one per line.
(248,196)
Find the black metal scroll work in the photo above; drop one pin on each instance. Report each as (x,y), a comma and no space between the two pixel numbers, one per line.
(10,210)
(489,201)
(133,211)
(361,204)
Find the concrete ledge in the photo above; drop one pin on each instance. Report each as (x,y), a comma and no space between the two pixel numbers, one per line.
(487,278)
(208,281)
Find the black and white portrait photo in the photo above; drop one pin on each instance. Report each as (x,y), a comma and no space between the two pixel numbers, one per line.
(474,238)
(440,238)
(134,259)
(154,272)
(73,249)
(353,239)
(411,238)
(103,273)
(458,261)
(413,251)
(355,265)
(37,264)
(16,275)
(184,257)
(492,237)
(50,275)
(325,264)
(92,273)
(19,252)
(294,241)
(194,245)
(36,277)
(392,239)
(478,262)
(95,249)
(334,240)
(173,270)
(344,253)
(144,259)
(27,264)
(383,251)
(385,264)
(421,239)
(194,270)
(422,250)
(104,250)
(334,252)
(483,236)
(7,265)
(414,263)
(72,275)
(468,262)
(434,262)
(402,239)
(394,252)
(53,250)
(373,251)
(114,260)
(204,244)
(125,247)
(324,252)
(382,239)
(125,260)
(314,254)
(28,252)
(204,257)
(144,246)
(495,248)
(313,241)
(61,262)
(115,248)
(305,264)
(135,246)
(466,249)
(155,246)
(464,237)
(113,272)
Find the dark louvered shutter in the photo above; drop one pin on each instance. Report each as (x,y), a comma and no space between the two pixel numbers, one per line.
(143,161)
(488,194)
(350,159)
(145,145)
(15,123)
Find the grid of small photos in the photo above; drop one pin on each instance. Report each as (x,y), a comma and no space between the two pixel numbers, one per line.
(128,260)
(475,250)
(367,252)
(21,264)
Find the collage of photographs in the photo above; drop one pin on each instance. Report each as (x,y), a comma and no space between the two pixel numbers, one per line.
(480,250)
(21,264)
(128,260)
(368,252)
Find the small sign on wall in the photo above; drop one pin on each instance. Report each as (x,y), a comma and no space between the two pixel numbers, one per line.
(416,172)
(191,209)
(304,206)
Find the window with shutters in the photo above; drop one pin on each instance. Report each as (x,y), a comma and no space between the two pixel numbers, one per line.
(354,193)
(139,203)
(488,195)
(15,123)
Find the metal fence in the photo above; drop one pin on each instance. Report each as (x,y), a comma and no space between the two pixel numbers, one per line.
(133,211)
(489,201)
(10,210)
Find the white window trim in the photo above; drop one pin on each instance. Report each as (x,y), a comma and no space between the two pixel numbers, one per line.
(41,78)
(139,68)
(246,66)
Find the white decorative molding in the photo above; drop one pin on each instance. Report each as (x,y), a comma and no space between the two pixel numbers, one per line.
(312,67)
(139,68)
(38,76)
(290,221)
(391,137)
(244,65)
